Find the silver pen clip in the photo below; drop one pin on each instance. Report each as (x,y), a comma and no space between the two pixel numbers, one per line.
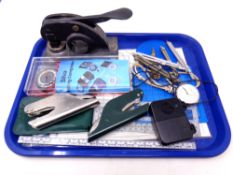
(58,107)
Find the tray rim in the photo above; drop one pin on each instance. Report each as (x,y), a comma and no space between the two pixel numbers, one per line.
(20,150)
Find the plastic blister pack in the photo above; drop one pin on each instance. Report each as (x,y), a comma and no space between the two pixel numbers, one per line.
(42,77)
(89,75)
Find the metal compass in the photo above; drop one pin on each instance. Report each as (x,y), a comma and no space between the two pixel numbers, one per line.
(46,78)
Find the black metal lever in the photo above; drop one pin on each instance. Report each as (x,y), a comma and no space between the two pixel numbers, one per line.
(119,14)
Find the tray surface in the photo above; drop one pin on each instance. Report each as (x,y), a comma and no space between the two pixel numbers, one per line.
(217,121)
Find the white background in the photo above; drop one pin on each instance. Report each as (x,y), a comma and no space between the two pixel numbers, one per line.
(210,22)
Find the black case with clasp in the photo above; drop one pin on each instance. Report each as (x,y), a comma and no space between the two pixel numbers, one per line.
(170,121)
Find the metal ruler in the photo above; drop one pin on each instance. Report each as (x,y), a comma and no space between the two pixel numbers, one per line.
(43,140)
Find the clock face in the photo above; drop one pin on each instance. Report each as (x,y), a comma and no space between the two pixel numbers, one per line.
(188,94)
(46,78)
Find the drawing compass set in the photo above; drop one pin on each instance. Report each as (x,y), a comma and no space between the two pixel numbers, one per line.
(90,93)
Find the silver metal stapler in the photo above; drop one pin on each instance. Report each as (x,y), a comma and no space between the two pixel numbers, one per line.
(58,107)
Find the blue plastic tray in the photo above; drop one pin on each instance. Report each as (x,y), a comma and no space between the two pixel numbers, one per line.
(217,121)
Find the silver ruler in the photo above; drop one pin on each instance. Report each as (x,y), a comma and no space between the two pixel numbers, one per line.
(54,139)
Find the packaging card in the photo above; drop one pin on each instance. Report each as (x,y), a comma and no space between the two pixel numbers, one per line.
(93,76)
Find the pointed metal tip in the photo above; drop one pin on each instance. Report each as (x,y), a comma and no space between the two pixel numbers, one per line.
(90,138)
